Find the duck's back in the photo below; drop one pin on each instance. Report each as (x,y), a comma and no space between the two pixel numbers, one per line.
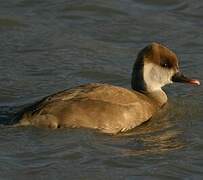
(100,106)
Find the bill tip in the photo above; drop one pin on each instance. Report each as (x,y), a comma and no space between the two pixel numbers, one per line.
(194,82)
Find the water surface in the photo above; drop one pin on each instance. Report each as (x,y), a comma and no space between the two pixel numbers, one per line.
(47,46)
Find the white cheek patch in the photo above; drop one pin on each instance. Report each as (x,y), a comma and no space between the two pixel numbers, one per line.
(156,77)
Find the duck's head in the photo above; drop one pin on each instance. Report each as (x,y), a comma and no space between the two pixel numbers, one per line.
(156,66)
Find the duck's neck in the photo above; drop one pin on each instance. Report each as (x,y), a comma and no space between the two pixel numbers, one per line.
(137,81)
(138,84)
(159,97)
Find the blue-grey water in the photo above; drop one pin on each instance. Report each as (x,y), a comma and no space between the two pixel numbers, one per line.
(48,45)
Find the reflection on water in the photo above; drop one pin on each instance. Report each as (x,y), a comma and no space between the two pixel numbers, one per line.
(158,135)
(47,46)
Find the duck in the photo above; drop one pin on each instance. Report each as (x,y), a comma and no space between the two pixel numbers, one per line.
(108,108)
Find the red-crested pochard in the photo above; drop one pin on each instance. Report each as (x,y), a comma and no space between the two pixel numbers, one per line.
(108,108)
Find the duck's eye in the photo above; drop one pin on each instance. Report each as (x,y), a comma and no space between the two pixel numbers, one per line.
(165,65)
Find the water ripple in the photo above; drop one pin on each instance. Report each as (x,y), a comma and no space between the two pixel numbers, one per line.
(162,5)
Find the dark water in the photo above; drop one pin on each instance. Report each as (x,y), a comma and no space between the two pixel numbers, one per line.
(47,46)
